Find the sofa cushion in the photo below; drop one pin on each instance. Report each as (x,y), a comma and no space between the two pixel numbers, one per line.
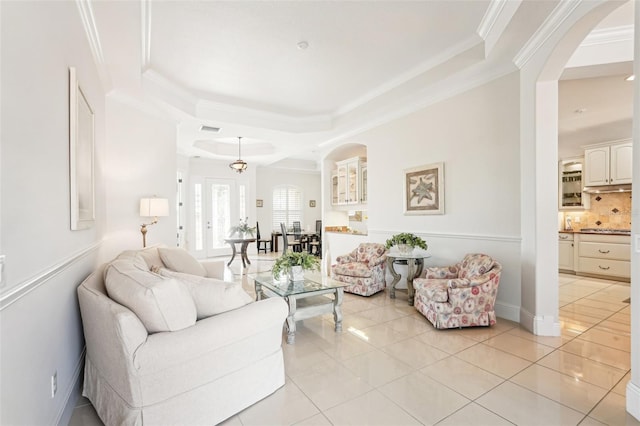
(180,260)
(161,304)
(152,258)
(352,269)
(475,264)
(211,296)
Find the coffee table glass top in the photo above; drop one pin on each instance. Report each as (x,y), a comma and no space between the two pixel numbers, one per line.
(313,281)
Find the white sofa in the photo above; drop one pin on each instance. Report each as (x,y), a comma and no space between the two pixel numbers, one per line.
(199,374)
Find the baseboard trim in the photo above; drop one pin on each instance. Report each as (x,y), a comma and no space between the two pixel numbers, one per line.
(507,311)
(526,319)
(633,400)
(73,393)
(17,292)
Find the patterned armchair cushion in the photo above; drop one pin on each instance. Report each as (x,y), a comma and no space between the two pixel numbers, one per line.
(475,264)
(437,272)
(353,269)
(437,290)
(371,253)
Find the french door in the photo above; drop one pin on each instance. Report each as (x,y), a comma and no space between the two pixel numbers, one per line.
(221,210)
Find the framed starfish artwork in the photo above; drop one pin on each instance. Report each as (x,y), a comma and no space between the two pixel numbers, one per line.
(424,189)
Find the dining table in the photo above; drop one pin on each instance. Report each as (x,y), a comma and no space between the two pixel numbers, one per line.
(276,234)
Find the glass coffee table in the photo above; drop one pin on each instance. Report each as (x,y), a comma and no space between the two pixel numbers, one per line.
(316,295)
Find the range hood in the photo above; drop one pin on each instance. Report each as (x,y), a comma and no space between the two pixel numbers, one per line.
(606,189)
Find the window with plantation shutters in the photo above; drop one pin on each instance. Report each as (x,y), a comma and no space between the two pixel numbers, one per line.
(287,205)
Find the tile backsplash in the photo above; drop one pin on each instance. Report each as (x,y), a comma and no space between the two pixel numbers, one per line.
(611,210)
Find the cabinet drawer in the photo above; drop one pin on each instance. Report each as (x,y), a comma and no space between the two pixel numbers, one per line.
(565,236)
(617,268)
(605,250)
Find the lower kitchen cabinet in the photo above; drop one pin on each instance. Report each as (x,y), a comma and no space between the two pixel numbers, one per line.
(565,252)
(607,256)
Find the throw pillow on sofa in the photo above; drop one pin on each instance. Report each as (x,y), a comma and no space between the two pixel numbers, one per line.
(180,260)
(160,303)
(211,296)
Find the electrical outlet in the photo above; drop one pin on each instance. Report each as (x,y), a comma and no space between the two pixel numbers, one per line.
(54,384)
(577,219)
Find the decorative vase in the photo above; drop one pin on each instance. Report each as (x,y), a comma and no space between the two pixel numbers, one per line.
(296,273)
(404,248)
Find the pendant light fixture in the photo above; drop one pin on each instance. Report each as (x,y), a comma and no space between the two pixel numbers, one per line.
(239,165)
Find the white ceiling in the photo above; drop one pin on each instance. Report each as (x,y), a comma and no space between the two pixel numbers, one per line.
(236,65)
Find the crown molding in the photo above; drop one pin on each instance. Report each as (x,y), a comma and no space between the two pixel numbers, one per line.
(490,17)
(93,37)
(416,71)
(424,98)
(546,30)
(495,20)
(145,25)
(619,34)
(212,110)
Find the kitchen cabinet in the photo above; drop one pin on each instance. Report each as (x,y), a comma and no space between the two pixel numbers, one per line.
(565,252)
(570,180)
(363,186)
(603,255)
(608,164)
(334,188)
(349,182)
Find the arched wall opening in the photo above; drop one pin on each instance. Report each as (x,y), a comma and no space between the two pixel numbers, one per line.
(539,148)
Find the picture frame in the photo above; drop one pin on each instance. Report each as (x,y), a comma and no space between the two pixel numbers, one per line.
(312,203)
(81,156)
(259,203)
(424,189)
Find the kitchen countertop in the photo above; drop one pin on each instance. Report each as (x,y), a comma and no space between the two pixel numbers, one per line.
(347,232)
(578,231)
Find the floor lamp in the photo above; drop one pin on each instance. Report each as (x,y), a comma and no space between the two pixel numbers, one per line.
(152,207)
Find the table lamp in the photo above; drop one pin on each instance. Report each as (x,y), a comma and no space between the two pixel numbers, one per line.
(152,207)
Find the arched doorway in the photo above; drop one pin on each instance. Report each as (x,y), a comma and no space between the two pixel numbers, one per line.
(539,144)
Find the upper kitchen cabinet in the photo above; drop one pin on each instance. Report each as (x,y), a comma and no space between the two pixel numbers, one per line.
(570,178)
(349,182)
(608,163)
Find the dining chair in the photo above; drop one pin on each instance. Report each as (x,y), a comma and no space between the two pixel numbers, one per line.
(315,243)
(287,242)
(263,244)
(297,235)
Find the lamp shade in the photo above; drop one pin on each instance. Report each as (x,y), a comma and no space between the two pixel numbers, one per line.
(154,207)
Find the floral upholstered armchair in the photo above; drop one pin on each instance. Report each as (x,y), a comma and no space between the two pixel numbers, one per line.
(363,269)
(462,295)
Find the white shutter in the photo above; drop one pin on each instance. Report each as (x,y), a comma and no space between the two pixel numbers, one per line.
(287,206)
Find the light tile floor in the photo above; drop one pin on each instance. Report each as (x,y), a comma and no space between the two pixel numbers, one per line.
(391,367)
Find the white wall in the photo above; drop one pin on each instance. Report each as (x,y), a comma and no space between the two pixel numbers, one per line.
(141,163)
(481,179)
(40,325)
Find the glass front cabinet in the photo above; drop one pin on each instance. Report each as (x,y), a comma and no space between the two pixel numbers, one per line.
(347,183)
(571,183)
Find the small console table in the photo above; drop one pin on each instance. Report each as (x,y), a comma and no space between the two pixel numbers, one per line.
(243,248)
(415,264)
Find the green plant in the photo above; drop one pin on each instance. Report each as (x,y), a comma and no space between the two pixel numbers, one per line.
(408,239)
(290,259)
(242,228)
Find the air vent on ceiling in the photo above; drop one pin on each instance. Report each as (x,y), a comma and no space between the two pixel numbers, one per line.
(209,129)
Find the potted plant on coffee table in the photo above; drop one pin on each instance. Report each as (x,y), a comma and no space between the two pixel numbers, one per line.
(406,242)
(294,264)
